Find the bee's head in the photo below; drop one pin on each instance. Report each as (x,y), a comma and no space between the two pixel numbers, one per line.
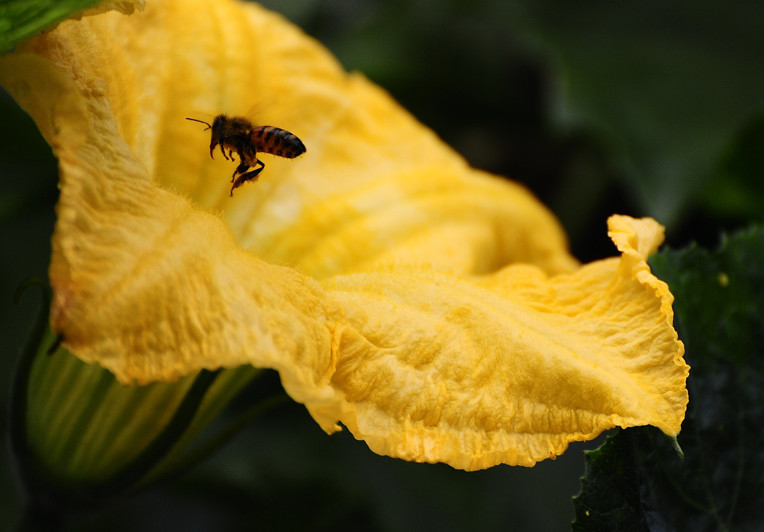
(217,127)
(218,132)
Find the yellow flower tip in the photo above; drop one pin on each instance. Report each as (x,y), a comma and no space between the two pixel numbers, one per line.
(630,235)
(431,309)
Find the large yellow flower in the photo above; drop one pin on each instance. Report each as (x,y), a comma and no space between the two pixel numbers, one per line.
(430,308)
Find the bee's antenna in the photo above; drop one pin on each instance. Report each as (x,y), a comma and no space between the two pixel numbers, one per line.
(201,121)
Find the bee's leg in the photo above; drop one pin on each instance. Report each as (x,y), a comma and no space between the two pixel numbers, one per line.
(255,171)
(222,150)
(251,175)
(243,167)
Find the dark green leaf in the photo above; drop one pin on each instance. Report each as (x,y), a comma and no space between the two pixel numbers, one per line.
(21,19)
(610,497)
(736,190)
(666,83)
(718,485)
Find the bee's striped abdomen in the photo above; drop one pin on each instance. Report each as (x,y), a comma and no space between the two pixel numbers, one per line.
(277,141)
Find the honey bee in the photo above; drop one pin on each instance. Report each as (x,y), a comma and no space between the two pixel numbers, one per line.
(237,134)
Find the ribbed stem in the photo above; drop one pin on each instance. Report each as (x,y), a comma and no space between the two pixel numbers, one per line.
(80,437)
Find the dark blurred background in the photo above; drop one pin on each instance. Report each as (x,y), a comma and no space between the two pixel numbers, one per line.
(650,108)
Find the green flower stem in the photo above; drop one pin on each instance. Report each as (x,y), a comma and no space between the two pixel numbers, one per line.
(81,438)
(192,448)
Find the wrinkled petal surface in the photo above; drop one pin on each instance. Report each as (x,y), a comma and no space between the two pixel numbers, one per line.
(511,367)
(432,309)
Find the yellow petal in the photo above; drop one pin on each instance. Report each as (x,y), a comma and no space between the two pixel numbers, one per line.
(374,184)
(399,338)
(144,284)
(509,368)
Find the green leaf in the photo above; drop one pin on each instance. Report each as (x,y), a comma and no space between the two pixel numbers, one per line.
(736,190)
(718,485)
(21,19)
(610,497)
(666,84)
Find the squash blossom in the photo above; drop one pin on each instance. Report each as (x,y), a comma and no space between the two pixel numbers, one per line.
(430,308)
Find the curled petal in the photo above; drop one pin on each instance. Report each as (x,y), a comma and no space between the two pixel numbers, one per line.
(512,367)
